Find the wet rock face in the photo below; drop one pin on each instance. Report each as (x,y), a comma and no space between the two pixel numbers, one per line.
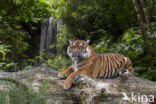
(84,90)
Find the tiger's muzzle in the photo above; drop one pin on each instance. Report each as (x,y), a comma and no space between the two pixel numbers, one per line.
(76,55)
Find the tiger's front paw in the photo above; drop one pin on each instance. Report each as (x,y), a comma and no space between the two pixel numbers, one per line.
(67,86)
(61,75)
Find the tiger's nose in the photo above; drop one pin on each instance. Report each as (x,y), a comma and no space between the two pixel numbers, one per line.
(75,54)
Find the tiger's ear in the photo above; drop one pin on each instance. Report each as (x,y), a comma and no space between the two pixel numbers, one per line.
(88,41)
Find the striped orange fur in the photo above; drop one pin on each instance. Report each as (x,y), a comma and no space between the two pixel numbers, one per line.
(85,61)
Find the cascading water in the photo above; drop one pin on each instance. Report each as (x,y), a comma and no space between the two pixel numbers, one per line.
(59,24)
(48,36)
(49,30)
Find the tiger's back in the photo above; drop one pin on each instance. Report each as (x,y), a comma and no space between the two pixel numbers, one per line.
(107,65)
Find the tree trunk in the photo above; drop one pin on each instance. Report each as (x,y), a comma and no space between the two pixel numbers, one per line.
(85,90)
(146,16)
(143,29)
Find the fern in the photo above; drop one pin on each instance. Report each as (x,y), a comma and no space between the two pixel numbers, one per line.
(3,50)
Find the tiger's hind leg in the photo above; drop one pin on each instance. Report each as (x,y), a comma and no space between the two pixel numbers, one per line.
(130,68)
(127,69)
(125,73)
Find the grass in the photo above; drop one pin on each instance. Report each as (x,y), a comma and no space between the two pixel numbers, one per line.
(18,96)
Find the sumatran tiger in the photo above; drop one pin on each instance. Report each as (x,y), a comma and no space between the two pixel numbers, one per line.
(86,62)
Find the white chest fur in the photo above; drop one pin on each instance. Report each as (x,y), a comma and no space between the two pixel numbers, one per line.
(75,65)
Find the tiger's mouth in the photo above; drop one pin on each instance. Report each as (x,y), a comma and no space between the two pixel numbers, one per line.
(76,55)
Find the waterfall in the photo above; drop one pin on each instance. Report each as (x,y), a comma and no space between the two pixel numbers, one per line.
(49,30)
(59,24)
(48,35)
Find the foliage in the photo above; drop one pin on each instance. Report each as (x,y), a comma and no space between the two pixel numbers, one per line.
(4,49)
(59,62)
(16,39)
(16,16)
(93,19)
(24,10)
(16,42)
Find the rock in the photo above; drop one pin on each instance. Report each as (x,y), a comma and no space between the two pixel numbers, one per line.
(84,90)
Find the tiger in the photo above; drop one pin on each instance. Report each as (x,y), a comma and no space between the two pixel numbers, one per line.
(86,62)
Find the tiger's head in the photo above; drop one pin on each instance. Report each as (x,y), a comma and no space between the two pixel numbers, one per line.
(78,49)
